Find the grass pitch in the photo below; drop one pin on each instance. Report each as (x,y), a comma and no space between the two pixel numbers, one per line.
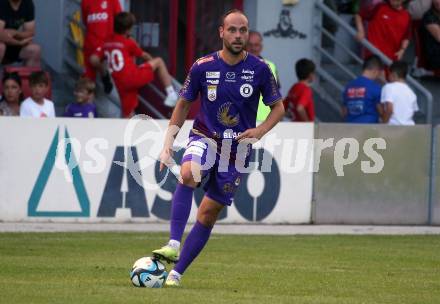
(94,267)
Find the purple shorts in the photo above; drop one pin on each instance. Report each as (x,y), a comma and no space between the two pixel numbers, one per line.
(223,175)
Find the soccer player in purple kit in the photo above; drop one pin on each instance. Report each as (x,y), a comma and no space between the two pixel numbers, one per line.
(229,82)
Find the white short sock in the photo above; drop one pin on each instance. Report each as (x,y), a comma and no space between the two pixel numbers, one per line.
(175,274)
(170,90)
(174,244)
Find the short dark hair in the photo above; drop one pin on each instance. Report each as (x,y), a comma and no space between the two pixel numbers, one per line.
(12,76)
(253,32)
(304,67)
(232,11)
(123,22)
(38,77)
(373,63)
(400,68)
(86,85)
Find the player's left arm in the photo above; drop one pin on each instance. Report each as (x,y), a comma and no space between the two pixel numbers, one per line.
(275,115)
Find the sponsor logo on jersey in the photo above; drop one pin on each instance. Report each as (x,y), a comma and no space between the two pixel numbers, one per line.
(205,59)
(246,90)
(356,92)
(225,118)
(245,71)
(249,78)
(212,92)
(230,77)
(229,134)
(97,17)
(212,75)
(212,81)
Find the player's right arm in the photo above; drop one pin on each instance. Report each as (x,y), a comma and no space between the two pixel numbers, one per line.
(189,93)
(177,120)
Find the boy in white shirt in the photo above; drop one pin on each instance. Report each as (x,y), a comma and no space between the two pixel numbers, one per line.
(36,105)
(398,100)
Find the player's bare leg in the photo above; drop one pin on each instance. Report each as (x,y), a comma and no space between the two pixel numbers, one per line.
(198,237)
(31,54)
(190,173)
(161,70)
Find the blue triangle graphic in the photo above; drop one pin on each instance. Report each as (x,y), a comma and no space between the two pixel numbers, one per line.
(43,177)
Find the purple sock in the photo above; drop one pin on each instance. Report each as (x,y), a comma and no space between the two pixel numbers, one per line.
(180,209)
(194,243)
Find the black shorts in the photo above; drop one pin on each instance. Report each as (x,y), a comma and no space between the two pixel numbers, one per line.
(12,54)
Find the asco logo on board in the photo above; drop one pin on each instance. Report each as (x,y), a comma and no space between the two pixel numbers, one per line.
(125,187)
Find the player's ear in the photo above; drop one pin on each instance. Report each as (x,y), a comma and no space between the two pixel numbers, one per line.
(221,30)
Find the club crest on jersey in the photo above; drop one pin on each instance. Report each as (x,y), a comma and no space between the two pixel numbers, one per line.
(225,117)
(246,90)
(212,92)
(104,5)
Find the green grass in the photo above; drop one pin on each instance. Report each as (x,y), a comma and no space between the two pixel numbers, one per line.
(94,267)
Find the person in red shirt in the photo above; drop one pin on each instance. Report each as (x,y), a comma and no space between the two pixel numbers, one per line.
(389,28)
(299,103)
(98,18)
(120,51)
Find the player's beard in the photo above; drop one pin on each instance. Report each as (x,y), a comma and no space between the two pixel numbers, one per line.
(233,51)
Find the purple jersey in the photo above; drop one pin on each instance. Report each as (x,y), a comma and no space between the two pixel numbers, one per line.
(229,94)
(86,110)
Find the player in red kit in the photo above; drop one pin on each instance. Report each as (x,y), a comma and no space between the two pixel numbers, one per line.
(98,18)
(120,51)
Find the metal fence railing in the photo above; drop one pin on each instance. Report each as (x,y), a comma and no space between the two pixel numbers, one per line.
(426,100)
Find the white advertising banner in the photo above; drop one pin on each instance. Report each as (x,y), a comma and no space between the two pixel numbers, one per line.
(106,170)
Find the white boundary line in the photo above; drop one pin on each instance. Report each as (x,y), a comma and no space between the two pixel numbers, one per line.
(250,229)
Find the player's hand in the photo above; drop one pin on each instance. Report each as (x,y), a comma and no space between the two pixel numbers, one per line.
(166,158)
(147,56)
(360,36)
(250,136)
(399,54)
(25,41)
(11,33)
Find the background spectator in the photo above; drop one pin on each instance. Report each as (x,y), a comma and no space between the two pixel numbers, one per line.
(98,18)
(12,95)
(389,28)
(255,47)
(417,8)
(430,33)
(84,94)
(36,105)
(299,103)
(17,29)
(129,78)
(399,101)
(361,96)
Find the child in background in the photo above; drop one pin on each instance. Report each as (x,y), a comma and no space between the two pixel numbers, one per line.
(299,103)
(119,52)
(398,100)
(37,105)
(84,94)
